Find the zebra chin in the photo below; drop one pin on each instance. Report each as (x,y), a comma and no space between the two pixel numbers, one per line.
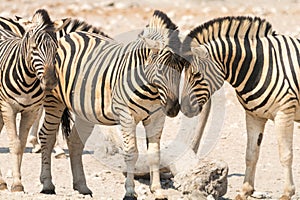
(171,109)
(190,111)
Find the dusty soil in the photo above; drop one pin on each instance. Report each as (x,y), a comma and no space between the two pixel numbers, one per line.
(225,135)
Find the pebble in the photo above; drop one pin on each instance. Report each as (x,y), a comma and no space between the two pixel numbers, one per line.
(9,174)
(141,190)
(261,195)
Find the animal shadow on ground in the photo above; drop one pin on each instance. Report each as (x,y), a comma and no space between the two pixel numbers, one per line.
(29,150)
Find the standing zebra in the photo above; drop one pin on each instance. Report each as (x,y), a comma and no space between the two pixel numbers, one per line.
(62,27)
(105,82)
(263,67)
(27,69)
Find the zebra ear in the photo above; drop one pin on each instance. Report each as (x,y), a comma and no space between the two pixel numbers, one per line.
(60,24)
(200,51)
(23,22)
(154,45)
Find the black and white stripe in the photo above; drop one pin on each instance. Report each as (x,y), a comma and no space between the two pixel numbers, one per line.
(12,25)
(105,82)
(262,66)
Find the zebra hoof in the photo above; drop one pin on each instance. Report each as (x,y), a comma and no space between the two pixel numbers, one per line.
(3,186)
(284,197)
(36,149)
(17,188)
(61,156)
(240,197)
(84,190)
(130,198)
(48,192)
(161,197)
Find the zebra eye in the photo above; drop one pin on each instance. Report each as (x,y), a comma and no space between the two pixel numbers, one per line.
(154,55)
(196,73)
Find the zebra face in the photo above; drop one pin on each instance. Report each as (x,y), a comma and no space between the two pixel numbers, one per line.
(42,48)
(201,80)
(168,68)
(195,92)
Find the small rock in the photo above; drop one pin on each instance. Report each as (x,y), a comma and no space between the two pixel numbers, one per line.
(9,174)
(261,195)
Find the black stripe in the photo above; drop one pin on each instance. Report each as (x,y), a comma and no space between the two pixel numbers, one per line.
(255,76)
(289,57)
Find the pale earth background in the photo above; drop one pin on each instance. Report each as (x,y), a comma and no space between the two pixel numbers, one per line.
(224,140)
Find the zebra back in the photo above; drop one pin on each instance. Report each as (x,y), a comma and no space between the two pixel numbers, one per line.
(68,25)
(12,25)
(239,27)
(226,27)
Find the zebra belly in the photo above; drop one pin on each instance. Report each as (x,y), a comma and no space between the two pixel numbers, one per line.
(97,119)
(92,108)
(23,102)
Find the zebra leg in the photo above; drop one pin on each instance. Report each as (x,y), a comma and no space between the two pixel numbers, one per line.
(284,127)
(255,129)
(3,185)
(76,140)
(47,135)
(33,139)
(9,118)
(154,126)
(27,119)
(59,152)
(58,147)
(128,129)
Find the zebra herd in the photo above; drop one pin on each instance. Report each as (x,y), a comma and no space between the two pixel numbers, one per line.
(70,66)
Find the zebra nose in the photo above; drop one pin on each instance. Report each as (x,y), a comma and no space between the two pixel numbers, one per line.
(172,107)
(49,79)
(188,109)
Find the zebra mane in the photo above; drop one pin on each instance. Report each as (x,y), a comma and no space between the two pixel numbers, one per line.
(70,25)
(240,27)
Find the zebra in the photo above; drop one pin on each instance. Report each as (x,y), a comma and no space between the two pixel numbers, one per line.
(62,27)
(105,82)
(263,68)
(27,70)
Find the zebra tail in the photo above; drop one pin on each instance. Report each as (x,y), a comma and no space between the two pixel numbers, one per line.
(66,123)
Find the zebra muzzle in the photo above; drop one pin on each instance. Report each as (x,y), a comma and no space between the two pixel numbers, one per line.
(172,108)
(188,109)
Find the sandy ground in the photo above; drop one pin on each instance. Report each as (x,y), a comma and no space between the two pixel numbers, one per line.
(225,135)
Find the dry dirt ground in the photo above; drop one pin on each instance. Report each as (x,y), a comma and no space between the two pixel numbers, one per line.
(225,135)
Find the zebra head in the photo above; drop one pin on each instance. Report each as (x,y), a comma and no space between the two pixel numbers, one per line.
(202,78)
(164,65)
(41,49)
